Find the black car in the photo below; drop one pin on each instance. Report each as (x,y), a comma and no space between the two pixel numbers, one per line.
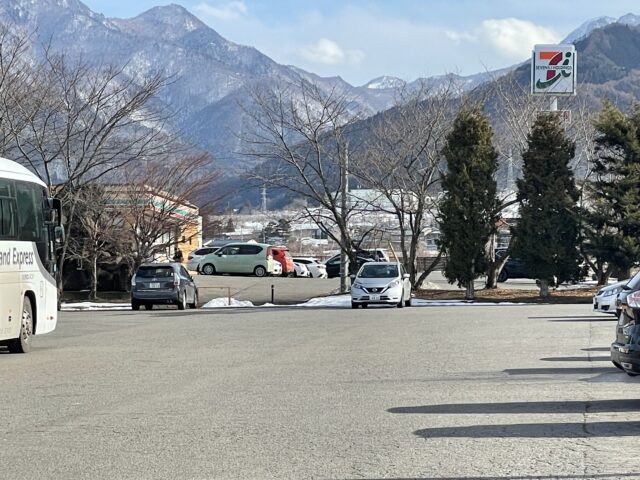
(632,286)
(514,268)
(163,283)
(333,264)
(625,350)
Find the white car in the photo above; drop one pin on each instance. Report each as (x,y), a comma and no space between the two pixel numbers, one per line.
(604,301)
(316,269)
(277,269)
(381,283)
(301,270)
(194,257)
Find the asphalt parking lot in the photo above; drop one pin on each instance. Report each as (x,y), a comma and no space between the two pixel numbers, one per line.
(434,392)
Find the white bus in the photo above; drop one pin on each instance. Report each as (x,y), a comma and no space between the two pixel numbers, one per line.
(29,226)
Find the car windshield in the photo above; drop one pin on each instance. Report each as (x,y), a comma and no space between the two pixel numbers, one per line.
(149,272)
(379,271)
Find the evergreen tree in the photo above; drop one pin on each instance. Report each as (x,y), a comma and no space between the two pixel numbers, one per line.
(468,210)
(612,219)
(546,236)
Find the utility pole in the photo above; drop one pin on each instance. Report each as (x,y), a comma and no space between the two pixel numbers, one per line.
(344,184)
(264,199)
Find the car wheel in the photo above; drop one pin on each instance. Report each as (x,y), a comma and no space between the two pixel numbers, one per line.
(365,305)
(148,306)
(209,269)
(401,302)
(260,271)
(182,302)
(22,344)
(135,305)
(354,305)
(504,276)
(195,300)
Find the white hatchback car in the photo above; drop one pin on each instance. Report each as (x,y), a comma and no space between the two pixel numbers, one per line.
(316,269)
(301,270)
(277,269)
(605,300)
(194,257)
(381,283)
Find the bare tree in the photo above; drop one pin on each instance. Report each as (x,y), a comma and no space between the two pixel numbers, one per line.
(97,234)
(156,204)
(75,125)
(15,83)
(301,135)
(402,161)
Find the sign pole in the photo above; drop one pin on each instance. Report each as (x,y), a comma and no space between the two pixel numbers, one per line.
(554,104)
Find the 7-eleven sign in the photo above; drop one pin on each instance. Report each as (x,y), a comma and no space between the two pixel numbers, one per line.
(553,70)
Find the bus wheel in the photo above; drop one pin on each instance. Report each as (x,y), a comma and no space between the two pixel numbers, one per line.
(22,344)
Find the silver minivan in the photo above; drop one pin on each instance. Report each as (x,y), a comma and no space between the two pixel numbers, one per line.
(245,258)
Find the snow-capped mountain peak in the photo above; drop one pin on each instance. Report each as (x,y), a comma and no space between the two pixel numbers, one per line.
(590,25)
(384,82)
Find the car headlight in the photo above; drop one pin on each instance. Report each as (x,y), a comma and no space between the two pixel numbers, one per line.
(395,283)
(633,300)
(615,291)
(357,285)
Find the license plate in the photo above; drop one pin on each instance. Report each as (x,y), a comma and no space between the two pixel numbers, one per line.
(374,297)
(154,285)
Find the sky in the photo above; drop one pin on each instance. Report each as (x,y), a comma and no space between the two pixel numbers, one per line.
(363,39)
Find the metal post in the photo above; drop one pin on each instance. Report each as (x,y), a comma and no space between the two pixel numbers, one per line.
(554,104)
(273,294)
(344,258)
(229,296)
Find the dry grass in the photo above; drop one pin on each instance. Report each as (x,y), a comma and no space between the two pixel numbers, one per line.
(575,295)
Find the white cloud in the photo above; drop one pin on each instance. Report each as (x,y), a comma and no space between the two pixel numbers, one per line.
(328,52)
(515,38)
(223,11)
(459,37)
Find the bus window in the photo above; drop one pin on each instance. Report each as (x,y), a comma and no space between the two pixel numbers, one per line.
(6,189)
(30,215)
(8,218)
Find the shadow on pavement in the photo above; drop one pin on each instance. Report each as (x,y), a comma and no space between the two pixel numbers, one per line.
(597,349)
(594,406)
(536,430)
(558,371)
(577,318)
(577,359)
(596,476)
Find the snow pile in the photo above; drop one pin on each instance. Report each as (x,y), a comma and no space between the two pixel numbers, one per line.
(344,301)
(92,306)
(336,301)
(223,302)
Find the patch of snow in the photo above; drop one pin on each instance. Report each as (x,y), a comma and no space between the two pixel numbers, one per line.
(385,82)
(223,302)
(93,306)
(334,301)
(344,301)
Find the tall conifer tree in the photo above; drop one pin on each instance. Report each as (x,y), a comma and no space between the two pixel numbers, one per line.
(468,210)
(612,218)
(547,233)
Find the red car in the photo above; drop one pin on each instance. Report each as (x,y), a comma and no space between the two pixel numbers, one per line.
(282,255)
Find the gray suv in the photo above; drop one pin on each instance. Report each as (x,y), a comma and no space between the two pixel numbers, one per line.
(163,283)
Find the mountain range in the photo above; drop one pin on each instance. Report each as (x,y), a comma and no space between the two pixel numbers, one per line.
(212,74)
